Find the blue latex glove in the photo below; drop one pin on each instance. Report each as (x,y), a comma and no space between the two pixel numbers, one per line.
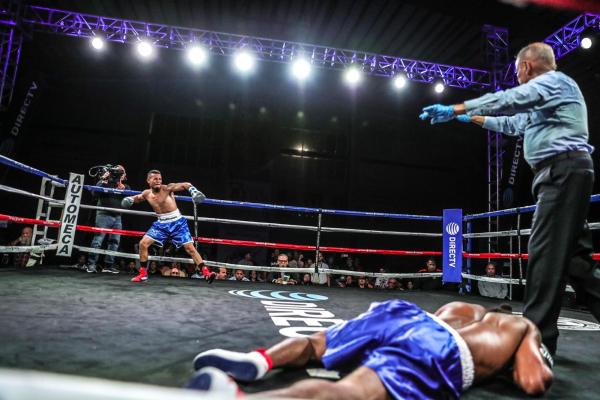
(463,118)
(438,113)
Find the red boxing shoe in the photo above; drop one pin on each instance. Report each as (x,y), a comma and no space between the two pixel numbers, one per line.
(209,276)
(141,277)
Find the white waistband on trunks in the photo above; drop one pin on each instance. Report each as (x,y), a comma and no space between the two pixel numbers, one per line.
(169,217)
(466,359)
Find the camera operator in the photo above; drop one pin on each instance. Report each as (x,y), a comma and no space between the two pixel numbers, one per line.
(110,177)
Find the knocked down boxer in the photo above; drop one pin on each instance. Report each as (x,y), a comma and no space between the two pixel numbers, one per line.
(395,350)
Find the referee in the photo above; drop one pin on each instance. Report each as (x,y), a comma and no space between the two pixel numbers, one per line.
(548,110)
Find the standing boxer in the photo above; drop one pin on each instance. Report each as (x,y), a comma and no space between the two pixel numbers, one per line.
(170,224)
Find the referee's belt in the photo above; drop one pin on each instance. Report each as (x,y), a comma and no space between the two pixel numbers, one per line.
(559,157)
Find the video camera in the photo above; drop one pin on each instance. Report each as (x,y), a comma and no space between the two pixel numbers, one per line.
(114,173)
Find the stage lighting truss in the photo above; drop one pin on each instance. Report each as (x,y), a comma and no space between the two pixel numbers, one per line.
(126,31)
(568,38)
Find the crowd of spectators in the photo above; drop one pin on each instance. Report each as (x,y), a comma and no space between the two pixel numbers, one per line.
(326,276)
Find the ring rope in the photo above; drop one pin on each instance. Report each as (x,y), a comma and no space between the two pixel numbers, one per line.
(54,202)
(290,246)
(15,164)
(230,242)
(29,194)
(27,249)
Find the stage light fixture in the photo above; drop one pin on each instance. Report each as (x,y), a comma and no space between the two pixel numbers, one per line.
(97,43)
(145,49)
(399,82)
(353,76)
(439,87)
(301,69)
(244,61)
(586,43)
(197,55)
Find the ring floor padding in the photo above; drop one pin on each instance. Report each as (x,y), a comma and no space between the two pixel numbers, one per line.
(102,325)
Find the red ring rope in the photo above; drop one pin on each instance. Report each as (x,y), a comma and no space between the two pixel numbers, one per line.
(250,243)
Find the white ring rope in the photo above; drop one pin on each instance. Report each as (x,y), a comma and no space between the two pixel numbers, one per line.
(27,249)
(28,194)
(328,271)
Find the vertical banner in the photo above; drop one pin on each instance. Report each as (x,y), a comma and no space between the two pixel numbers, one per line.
(452,248)
(68,221)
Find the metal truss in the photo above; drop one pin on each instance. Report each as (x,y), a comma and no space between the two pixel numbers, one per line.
(497,57)
(11,40)
(568,38)
(125,31)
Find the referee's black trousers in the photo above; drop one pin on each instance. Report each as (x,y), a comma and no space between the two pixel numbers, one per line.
(560,245)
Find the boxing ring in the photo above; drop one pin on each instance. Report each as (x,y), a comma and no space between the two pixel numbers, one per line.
(103,326)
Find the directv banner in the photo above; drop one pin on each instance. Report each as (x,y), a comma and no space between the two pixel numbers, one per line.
(452,249)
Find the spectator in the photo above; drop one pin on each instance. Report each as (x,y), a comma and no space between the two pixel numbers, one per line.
(81,262)
(430,283)
(153,268)
(274,257)
(321,278)
(222,274)
(350,281)
(165,270)
(310,263)
(331,262)
(176,271)
(346,281)
(371,283)
(306,280)
(282,278)
(497,290)
(300,260)
(114,178)
(362,283)
(20,259)
(122,265)
(393,284)
(409,285)
(349,264)
(239,276)
(381,281)
(255,277)
(131,270)
(247,260)
(293,263)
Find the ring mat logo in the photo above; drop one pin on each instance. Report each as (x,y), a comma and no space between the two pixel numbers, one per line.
(572,324)
(278,295)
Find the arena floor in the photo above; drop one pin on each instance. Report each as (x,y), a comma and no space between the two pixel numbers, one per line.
(101,325)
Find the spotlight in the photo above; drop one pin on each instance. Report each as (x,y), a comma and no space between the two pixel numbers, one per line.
(197,55)
(439,87)
(300,114)
(399,82)
(353,76)
(145,49)
(244,61)
(97,43)
(301,69)
(586,43)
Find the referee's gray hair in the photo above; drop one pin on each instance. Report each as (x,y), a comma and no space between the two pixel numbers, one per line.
(540,52)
